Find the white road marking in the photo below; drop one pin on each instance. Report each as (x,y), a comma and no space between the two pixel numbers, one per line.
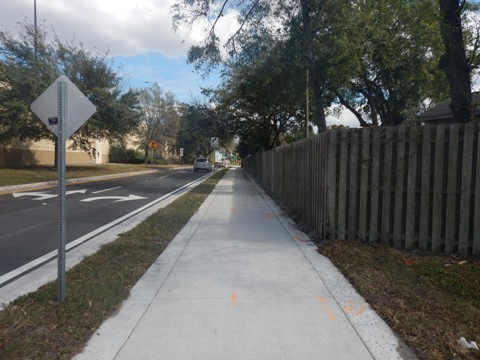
(116,198)
(100,191)
(10,276)
(45,196)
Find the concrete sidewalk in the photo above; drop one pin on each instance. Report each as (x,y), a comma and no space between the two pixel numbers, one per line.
(240,282)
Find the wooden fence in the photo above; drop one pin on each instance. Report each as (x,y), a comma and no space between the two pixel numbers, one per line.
(407,187)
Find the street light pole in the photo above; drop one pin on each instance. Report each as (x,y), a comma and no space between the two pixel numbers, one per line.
(35,26)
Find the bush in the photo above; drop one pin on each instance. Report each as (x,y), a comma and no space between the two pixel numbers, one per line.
(125,156)
(157,161)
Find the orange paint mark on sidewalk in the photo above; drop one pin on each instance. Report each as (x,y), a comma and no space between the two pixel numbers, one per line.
(234,210)
(326,307)
(268,216)
(234,298)
(298,238)
(353,308)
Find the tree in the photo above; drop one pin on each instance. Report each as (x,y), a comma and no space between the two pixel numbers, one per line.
(454,61)
(24,75)
(262,100)
(198,123)
(160,119)
(394,50)
(22,80)
(379,58)
(253,19)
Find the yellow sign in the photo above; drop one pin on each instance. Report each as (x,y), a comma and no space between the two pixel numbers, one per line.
(152,145)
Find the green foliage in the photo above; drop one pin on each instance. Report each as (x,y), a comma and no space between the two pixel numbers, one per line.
(388,53)
(379,58)
(25,74)
(262,102)
(119,154)
(198,124)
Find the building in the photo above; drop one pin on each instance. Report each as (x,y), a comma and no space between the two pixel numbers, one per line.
(442,114)
(43,153)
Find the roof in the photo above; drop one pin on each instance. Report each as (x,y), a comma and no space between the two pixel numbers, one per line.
(443,112)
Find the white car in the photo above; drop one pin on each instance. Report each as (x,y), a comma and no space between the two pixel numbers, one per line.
(202,164)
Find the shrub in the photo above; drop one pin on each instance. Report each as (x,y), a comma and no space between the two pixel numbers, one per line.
(125,156)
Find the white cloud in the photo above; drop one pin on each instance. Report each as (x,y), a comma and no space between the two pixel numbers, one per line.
(122,27)
(346,118)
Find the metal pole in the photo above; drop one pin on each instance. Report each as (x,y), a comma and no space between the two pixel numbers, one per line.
(307,105)
(35,25)
(62,121)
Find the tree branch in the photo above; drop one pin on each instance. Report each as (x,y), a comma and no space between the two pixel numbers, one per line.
(345,103)
(220,14)
(245,19)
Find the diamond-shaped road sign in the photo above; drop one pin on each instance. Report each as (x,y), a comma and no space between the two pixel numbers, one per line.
(79,108)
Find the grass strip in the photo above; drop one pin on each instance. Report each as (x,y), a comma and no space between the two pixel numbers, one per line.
(36,326)
(35,174)
(430,300)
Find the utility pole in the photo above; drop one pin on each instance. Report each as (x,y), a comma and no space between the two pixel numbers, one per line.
(307,105)
(35,26)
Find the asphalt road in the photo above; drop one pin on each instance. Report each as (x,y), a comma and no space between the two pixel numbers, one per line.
(29,219)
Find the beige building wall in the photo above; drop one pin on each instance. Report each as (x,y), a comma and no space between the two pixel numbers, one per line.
(43,153)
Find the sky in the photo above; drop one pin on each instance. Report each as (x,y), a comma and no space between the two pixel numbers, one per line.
(138,36)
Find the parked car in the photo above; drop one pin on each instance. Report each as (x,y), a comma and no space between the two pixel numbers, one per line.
(202,164)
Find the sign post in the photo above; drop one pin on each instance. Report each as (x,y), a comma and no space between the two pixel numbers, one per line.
(152,145)
(63,108)
(61,170)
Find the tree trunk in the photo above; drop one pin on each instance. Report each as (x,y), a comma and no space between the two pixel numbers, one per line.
(320,119)
(145,158)
(454,61)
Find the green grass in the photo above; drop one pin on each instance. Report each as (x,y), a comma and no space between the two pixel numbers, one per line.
(430,300)
(36,326)
(34,174)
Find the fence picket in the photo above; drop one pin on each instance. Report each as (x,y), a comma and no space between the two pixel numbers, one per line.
(362,208)
(353,185)
(452,183)
(438,187)
(375,187)
(465,191)
(412,212)
(332,183)
(387,186)
(342,186)
(425,189)
(399,191)
(476,214)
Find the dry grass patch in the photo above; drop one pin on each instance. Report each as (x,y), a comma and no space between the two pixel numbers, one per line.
(430,300)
